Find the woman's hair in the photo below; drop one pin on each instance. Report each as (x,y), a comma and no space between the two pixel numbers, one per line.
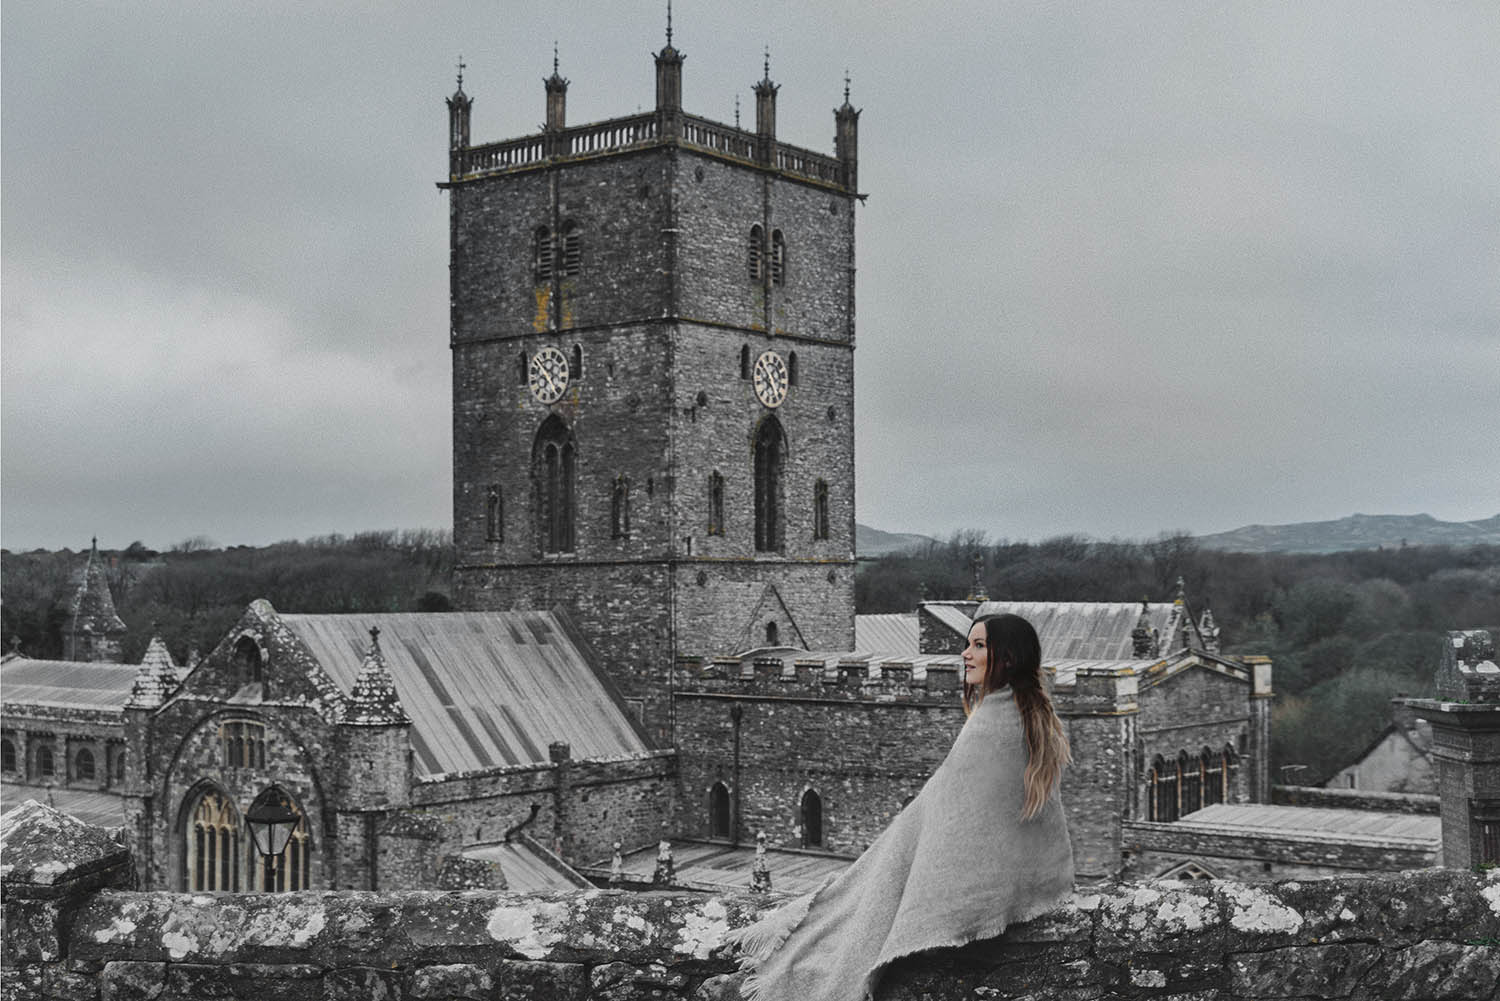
(1013,656)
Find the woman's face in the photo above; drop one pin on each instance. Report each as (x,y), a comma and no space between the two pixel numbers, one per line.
(976,655)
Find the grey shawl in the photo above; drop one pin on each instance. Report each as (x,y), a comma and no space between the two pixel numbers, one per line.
(958,864)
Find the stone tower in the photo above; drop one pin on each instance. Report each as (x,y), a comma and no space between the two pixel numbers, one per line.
(94,629)
(652,331)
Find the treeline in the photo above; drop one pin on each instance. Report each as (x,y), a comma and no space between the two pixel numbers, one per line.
(1347,631)
(193,593)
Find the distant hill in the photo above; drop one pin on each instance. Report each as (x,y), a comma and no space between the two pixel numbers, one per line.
(873,542)
(1357,531)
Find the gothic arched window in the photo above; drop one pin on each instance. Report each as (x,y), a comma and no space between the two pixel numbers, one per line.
(243,744)
(1213,777)
(715,503)
(248,661)
(572,251)
(575,364)
(745,362)
(215,850)
(544,253)
(83,765)
(820,509)
(7,755)
(778,258)
(1231,769)
(494,515)
(120,767)
(46,766)
(1191,779)
(791,368)
(718,811)
(770,464)
(553,469)
(812,819)
(1164,782)
(522,363)
(757,248)
(619,508)
(773,634)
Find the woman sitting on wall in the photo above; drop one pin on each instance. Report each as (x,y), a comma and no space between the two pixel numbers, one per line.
(982,846)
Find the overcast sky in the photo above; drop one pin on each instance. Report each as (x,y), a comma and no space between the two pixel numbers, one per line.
(1124,268)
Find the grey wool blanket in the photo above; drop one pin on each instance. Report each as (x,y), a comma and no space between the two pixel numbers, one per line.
(958,864)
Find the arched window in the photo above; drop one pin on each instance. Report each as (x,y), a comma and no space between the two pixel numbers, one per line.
(544,252)
(791,368)
(1163,784)
(248,663)
(718,811)
(215,848)
(820,509)
(812,820)
(83,765)
(46,766)
(494,515)
(7,755)
(523,362)
(773,634)
(243,743)
(778,258)
(1190,778)
(572,256)
(1231,770)
(745,362)
(120,767)
(553,462)
(757,248)
(770,463)
(715,503)
(619,508)
(575,364)
(1213,777)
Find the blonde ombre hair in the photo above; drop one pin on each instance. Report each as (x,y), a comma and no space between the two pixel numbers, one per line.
(1013,656)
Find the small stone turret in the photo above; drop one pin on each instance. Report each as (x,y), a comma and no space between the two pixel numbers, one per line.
(846,139)
(557,104)
(1208,629)
(157,678)
(765,115)
(376,732)
(459,106)
(669,86)
(1143,636)
(94,628)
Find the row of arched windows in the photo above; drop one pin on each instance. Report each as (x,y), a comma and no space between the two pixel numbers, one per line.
(759,255)
(747,362)
(219,854)
(554,460)
(809,815)
(243,744)
(557,254)
(86,766)
(1179,787)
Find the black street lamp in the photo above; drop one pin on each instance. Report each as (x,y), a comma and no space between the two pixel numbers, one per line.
(272,820)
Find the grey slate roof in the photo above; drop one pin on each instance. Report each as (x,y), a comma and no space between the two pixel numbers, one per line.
(93,608)
(66,683)
(92,806)
(1083,630)
(888,633)
(1368,827)
(482,688)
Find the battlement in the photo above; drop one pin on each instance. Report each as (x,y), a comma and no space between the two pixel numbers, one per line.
(841,677)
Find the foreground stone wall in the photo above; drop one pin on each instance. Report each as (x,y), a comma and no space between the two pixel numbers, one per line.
(1425,934)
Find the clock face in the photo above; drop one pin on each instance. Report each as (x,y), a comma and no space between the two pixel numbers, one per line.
(770,379)
(548,375)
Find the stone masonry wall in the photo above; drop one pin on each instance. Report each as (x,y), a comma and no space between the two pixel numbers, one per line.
(1426,934)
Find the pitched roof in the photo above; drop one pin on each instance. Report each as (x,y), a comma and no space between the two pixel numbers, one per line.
(93,608)
(889,633)
(68,684)
(1086,630)
(482,688)
(1368,827)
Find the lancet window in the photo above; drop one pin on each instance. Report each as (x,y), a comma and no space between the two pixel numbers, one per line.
(216,847)
(812,819)
(243,743)
(770,464)
(718,811)
(757,253)
(715,503)
(554,460)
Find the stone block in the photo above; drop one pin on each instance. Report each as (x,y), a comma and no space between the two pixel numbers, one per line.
(23,983)
(62,984)
(362,983)
(1437,971)
(452,982)
(524,980)
(132,981)
(245,981)
(1158,917)
(1330,971)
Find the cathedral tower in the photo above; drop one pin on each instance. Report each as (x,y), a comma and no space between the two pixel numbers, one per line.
(652,331)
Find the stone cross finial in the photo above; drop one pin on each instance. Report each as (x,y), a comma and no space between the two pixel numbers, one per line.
(374,637)
(461,67)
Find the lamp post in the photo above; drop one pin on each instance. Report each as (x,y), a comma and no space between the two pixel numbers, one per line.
(272,820)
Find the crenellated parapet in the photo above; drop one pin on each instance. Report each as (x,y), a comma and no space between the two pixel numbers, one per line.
(836,677)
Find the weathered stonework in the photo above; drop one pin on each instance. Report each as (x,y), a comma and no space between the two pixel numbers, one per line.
(1429,934)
